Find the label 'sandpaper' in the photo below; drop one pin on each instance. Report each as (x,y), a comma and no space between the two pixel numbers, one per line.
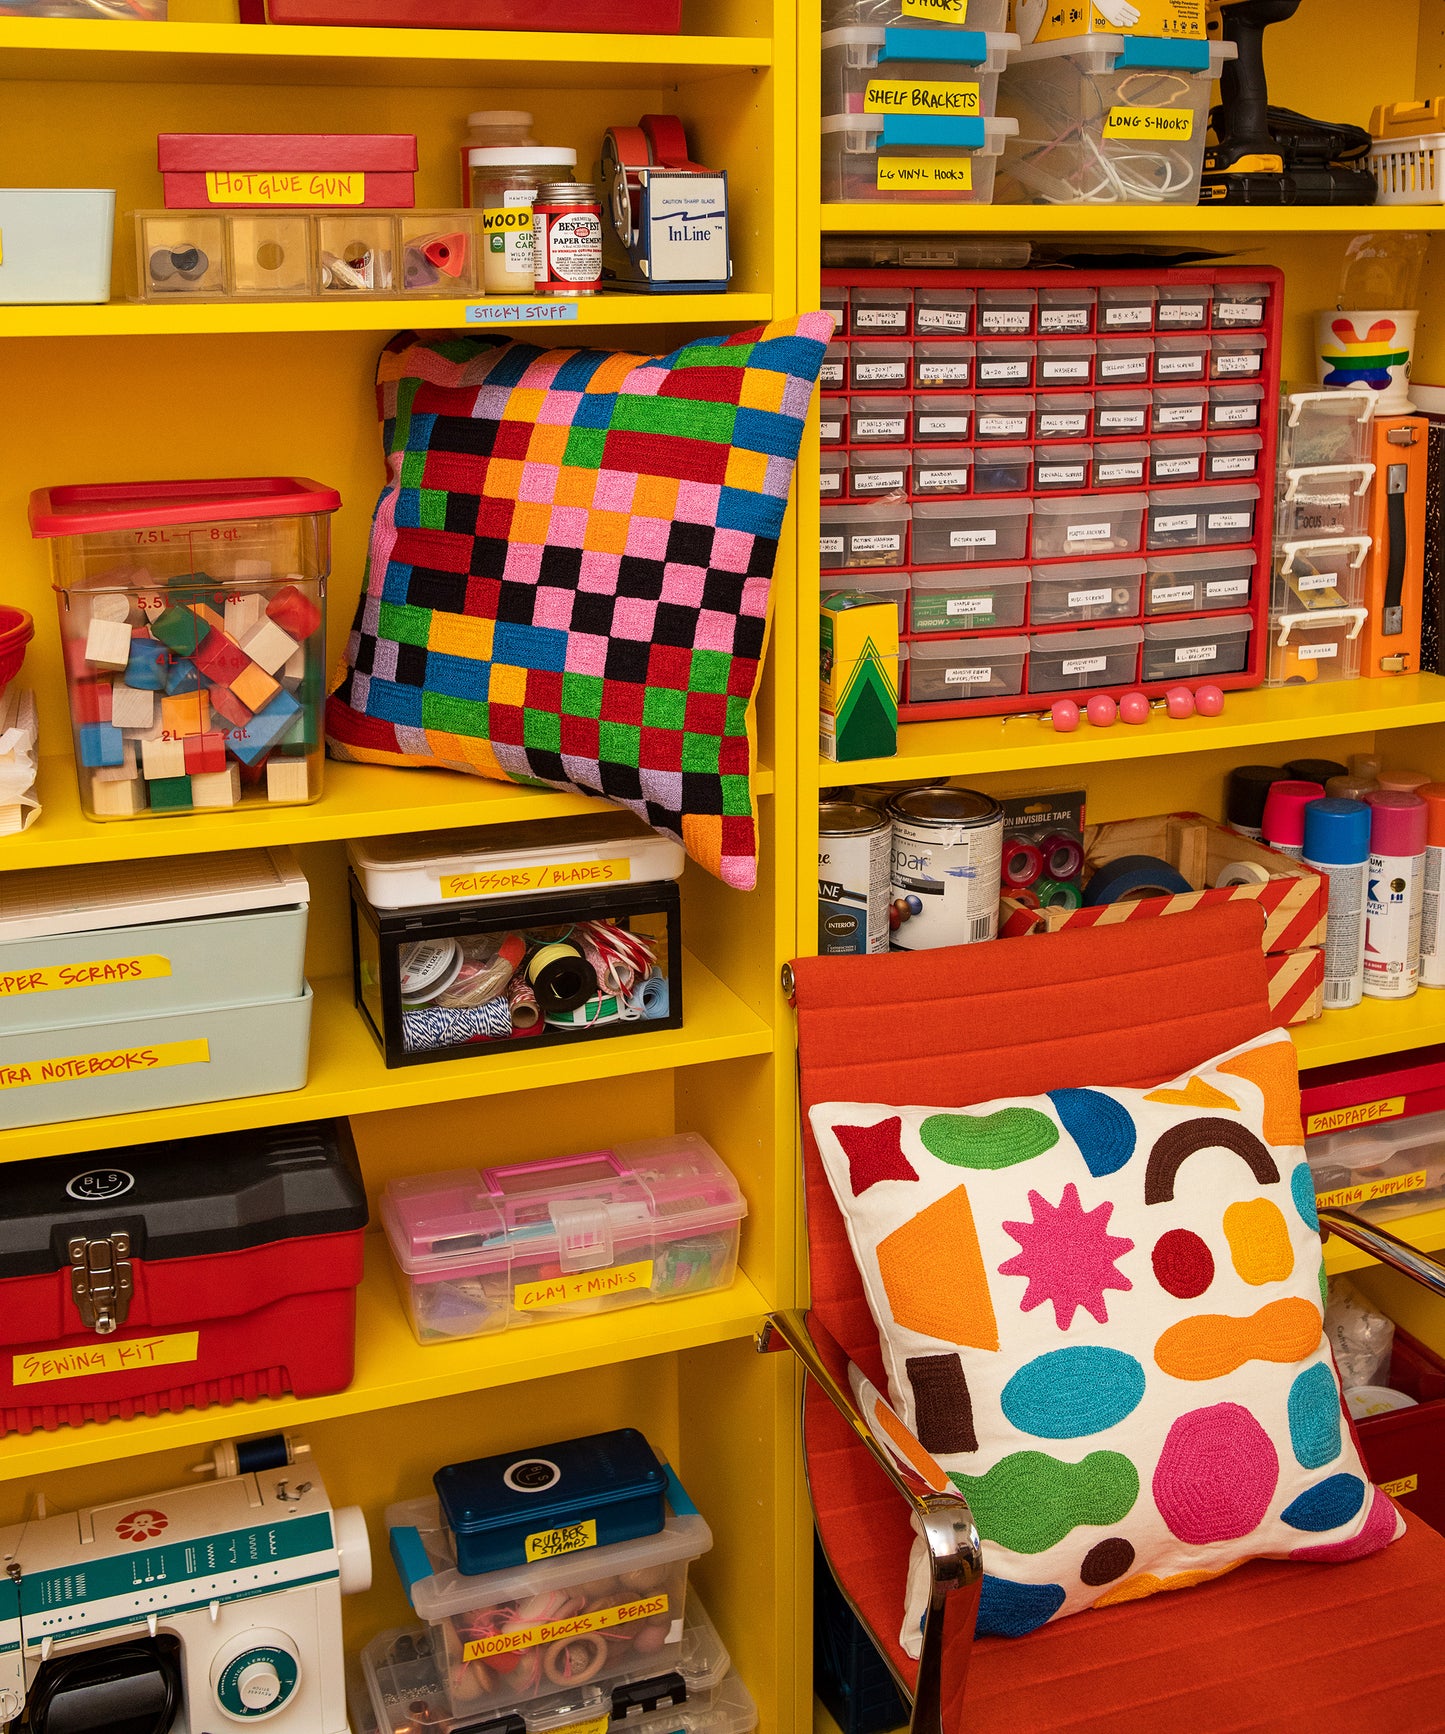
(1358,1114)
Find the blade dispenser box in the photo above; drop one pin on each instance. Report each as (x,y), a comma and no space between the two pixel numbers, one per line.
(559,931)
(477,1251)
(598,1613)
(297,171)
(172,1276)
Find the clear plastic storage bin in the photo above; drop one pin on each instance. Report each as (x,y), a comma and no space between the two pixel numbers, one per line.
(1066,361)
(1320,503)
(1007,418)
(866,534)
(833,421)
(1098,125)
(1121,464)
(1088,524)
(859,168)
(984,531)
(1126,307)
(872,472)
(1176,461)
(1310,649)
(943,312)
(1394,1169)
(1181,360)
(1067,311)
(1202,517)
(1320,575)
(876,310)
(943,365)
(1184,306)
(1121,414)
(1236,408)
(1124,360)
(885,587)
(1063,469)
(193,626)
(942,470)
(1199,583)
(880,366)
(1107,656)
(1181,410)
(968,600)
(482,1250)
(833,374)
(832,475)
(1234,356)
(1007,312)
(1064,415)
(868,70)
(942,419)
(879,420)
(1003,469)
(1233,457)
(1085,590)
(1004,366)
(948,671)
(1180,649)
(1326,427)
(1240,306)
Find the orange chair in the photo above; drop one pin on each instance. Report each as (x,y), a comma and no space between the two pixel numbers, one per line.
(1274,1648)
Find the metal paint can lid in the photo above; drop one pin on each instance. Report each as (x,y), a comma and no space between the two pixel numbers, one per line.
(849,819)
(945,808)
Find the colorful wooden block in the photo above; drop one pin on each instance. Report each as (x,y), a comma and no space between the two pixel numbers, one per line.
(245,571)
(101,743)
(183,675)
(205,754)
(124,771)
(132,707)
(91,701)
(217,789)
(252,775)
(268,646)
(294,670)
(221,659)
(211,618)
(161,759)
(288,780)
(188,713)
(148,663)
(252,743)
(180,630)
(111,605)
(121,800)
(76,667)
(243,612)
(107,644)
(255,688)
(169,793)
(294,612)
(225,704)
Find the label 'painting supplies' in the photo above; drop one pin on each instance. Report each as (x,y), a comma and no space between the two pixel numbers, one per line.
(1399,825)
(1432,932)
(1337,844)
(1284,816)
(947,858)
(854,849)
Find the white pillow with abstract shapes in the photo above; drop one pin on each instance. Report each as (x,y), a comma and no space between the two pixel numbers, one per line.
(1101,1311)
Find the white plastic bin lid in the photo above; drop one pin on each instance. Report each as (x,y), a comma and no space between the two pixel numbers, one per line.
(869,131)
(401,872)
(1097,638)
(955,651)
(37,902)
(1226,626)
(1100,53)
(970,578)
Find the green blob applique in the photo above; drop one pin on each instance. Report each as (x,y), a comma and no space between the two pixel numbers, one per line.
(1029,1502)
(999,1140)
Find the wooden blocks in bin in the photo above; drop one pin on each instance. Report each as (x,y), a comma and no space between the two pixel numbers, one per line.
(1294,900)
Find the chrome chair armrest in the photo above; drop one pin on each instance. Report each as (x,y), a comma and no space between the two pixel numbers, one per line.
(941,1513)
(1388,1248)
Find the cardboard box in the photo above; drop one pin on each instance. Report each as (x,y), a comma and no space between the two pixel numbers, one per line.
(1294,900)
(1051,20)
(296,171)
(858,677)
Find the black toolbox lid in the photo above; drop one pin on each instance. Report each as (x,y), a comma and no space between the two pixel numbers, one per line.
(184,1198)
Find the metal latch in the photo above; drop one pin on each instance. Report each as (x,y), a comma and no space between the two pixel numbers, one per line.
(101,1282)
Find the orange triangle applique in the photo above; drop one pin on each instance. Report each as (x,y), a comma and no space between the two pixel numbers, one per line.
(934,1277)
(1274,1071)
(1195,1094)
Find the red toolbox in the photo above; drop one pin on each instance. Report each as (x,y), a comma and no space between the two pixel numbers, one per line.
(177,1275)
(1405,1451)
(287,171)
(624,17)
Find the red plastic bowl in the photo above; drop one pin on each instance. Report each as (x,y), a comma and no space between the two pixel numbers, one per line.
(16,631)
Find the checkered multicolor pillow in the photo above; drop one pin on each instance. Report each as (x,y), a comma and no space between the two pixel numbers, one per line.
(569,570)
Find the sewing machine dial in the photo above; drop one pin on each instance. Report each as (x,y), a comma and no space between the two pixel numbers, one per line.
(255,1676)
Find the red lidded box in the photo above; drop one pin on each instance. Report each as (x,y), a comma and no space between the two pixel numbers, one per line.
(1404,1450)
(623,17)
(286,171)
(176,1275)
(1364,1092)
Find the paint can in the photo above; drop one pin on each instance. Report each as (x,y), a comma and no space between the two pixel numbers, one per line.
(947,858)
(854,846)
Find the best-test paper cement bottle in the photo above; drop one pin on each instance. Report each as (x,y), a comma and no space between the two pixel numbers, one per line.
(1396,894)
(1337,844)
(1432,932)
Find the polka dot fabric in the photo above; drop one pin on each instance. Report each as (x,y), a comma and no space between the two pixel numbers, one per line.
(570,567)
(1100,1310)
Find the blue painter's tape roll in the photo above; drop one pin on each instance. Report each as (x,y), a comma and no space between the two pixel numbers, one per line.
(1133,877)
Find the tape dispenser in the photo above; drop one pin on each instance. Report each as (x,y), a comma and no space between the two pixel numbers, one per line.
(208,1607)
(666,215)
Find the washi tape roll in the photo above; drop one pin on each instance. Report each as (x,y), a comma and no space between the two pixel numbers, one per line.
(1023,863)
(1243,873)
(522,1003)
(427,968)
(1131,879)
(1063,857)
(561,978)
(1056,896)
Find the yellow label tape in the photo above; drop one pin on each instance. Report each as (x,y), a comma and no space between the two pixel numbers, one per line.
(517,217)
(95,1358)
(1367,1190)
(925,97)
(559,1291)
(545,876)
(1398,1489)
(555,1631)
(571,1538)
(1183,20)
(928,174)
(284,187)
(1360,1114)
(1150,123)
(598,1725)
(939,11)
(84,1068)
(109,972)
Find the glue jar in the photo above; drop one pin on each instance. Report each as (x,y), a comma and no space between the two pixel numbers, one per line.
(568,221)
(505,180)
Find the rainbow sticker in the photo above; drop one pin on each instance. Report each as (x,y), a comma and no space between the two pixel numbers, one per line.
(1366,360)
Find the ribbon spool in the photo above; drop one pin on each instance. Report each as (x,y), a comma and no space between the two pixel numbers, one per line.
(1243,873)
(1023,865)
(1132,879)
(1053,895)
(1063,857)
(657,141)
(561,978)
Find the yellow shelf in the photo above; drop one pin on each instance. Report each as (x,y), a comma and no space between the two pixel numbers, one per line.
(392,1368)
(235,318)
(176,53)
(1259,718)
(348,1077)
(1375,1026)
(359,801)
(904,219)
(1425,1232)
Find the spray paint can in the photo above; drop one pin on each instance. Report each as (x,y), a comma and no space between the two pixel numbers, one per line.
(1337,844)
(1247,790)
(947,857)
(1314,770)
(854,858)
(1399,825)
(1432,928)
(1284,816)
(1403,782)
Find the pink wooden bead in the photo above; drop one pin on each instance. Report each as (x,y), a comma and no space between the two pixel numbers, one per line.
(1180,701)
(1209,701)
(1102,711)
(1066,716)
(1134,708)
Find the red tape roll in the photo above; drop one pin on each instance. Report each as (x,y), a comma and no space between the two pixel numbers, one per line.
(1023,865)
(625,152)
(669,142)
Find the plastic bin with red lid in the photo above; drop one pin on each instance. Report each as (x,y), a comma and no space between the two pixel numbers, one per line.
(193,625)
(478,1251)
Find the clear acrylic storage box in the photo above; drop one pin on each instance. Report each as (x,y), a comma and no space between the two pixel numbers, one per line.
(1324,501)
(872,472)
(1080,591)
(1326,427)
(1314,648)
(1310,576)
(1086,661)
(865,533)
(947,670)
(1393,1169)
(967,600)
(484,1250)
(1199,582)
(871,70)
(1187,649)
(859,167)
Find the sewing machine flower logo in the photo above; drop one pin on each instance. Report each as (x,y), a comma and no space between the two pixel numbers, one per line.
(140,1526)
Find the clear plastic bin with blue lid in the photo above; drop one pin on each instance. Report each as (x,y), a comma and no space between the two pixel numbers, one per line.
(907,73)
(484,1250)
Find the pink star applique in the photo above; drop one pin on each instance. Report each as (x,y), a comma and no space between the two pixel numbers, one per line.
(874,1153)
(1068,1256)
